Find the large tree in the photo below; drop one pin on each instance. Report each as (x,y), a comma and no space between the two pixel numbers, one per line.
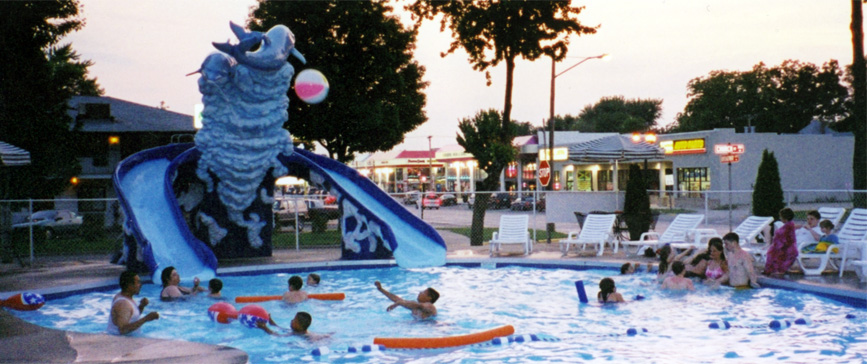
(366,54)
(781,99)
(481,137)
(36,81)
(501,31)
(616,114)
(858,119)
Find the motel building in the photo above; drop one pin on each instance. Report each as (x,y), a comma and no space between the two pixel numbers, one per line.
(814,159)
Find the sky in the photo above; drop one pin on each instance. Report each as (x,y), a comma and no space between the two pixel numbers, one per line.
(142,51)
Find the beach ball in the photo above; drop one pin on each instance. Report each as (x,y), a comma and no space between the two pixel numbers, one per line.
(24,301)
(222,312)
(250,314)
(311,86)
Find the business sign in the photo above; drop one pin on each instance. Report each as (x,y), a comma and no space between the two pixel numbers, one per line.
(560,154)
(728,149)
(729,158)
(544,173)
(683,146)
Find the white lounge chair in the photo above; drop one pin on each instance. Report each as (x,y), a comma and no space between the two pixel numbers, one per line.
(676,233)
(597,229)
(852,238)
(833,214)
(747,232)
(513,229)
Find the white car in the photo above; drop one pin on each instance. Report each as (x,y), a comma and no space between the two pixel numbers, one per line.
(50,223)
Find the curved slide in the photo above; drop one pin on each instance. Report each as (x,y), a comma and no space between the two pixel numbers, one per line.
(144,186)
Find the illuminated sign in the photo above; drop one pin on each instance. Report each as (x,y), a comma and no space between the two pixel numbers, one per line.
(683,146)
(728,149)
(560,154)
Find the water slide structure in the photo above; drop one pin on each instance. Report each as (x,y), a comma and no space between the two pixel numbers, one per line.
(154,218)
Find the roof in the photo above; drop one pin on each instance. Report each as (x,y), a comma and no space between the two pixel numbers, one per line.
(11,155)
(614,147)
(567,138)
(128,116)
(410,154)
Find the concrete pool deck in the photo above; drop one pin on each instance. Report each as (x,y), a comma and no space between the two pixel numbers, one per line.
(22,342)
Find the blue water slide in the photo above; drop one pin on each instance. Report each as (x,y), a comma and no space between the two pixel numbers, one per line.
(143,183)
(413,242)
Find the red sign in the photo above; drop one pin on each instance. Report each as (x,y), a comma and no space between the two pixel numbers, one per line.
(731,158)
(544,173)
(728,149)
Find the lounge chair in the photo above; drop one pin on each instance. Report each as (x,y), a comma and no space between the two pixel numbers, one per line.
(676,233)
(514,229)
(852,238)
(852,231)
(747,232)
(596,229)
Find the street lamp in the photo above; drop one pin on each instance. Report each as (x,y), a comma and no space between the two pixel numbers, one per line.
(554,76)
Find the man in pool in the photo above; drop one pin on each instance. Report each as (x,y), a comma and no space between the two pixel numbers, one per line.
(125,314)
(742,272)
(423,308)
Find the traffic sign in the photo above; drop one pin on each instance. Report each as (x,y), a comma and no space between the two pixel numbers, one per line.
(731,158)
(544,173)
(728,149)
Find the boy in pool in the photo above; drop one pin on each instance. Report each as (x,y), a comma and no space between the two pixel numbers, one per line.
(295,294)
(313,280)
(214,287)
(298,325)
(678,281)
(742,272)
(421,309)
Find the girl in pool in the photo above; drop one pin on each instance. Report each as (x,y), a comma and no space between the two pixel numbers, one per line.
(608,292)
(171,285)
(715,267)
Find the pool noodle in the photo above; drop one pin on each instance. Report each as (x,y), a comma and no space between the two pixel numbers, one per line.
(443,342)
(582,295)
(316,296)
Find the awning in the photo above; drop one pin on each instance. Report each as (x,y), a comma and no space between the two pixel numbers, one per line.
(11,155)
(614,148)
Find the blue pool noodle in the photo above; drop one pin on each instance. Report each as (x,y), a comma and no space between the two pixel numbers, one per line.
(582,296)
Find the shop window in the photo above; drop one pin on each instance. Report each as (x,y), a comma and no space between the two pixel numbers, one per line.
(584,180)
(606,183)
(570,180)
(693,179)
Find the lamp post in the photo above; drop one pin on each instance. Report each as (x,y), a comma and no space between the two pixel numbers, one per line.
(554,76)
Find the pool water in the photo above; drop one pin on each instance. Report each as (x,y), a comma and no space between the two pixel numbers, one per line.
(671,327)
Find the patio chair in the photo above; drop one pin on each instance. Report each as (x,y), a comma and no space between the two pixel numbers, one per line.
(513,229)
(852,238)
(747,232)
(676,233)
(597,229)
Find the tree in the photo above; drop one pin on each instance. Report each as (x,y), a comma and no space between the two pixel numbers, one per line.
(636,205)
(489,140)
(768,192)
(36,81)
(858,118)
(376,88)
(526,128)
(615,114)
(781,99)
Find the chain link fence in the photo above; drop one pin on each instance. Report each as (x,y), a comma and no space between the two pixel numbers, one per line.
(93,226)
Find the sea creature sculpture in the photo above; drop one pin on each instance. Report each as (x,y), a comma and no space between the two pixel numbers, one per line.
(244,94)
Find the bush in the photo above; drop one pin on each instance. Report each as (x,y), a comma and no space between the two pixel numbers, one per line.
(768,192)
(636,206)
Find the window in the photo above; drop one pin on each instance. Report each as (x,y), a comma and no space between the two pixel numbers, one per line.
(693,179)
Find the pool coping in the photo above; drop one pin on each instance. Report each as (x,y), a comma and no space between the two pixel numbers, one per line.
(855,298)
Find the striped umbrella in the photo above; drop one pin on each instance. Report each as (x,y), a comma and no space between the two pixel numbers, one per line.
(11,155)
(614,148)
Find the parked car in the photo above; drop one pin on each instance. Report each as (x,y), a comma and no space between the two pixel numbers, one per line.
(449,199)
(527,203)
(285,212)
(411,198)
(500,201)
(431,201)
(49,224)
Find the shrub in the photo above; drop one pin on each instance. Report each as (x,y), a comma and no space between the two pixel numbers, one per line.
(636,206)
(768,192)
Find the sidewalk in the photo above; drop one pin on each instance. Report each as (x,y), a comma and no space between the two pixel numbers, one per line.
(22,342)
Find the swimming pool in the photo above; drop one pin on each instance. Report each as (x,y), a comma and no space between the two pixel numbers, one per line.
(535,301)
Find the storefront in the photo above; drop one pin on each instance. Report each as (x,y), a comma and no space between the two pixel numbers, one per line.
(402,171)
